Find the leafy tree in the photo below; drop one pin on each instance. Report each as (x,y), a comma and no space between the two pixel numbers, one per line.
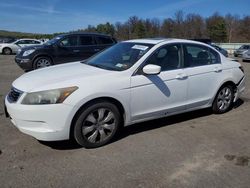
(216,27)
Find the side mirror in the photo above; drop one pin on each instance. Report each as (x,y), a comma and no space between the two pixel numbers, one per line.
(151,69)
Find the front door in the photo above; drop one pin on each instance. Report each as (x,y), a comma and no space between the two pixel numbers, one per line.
(67,50)
(154,96)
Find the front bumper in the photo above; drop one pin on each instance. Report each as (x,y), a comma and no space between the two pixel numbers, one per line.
(246,56)
(44,122)
(24,63)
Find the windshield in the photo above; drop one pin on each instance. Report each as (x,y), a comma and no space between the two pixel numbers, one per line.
(119,57)
(53,41)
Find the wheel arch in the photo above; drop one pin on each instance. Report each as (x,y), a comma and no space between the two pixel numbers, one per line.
(112,100)
(227,82)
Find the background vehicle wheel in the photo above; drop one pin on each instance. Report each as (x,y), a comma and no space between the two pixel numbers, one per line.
(223,100)
(42,62)
(7,51)
(97,124)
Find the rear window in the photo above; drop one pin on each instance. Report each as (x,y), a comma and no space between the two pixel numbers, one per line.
(104,40)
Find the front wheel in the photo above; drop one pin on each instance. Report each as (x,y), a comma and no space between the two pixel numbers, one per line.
(42,62)
(223,100)
(97,124)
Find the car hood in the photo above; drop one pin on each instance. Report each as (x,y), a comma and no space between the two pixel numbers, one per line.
(35,47)
(59,76)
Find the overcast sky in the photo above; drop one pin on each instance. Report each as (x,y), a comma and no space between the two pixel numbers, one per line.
(49,16)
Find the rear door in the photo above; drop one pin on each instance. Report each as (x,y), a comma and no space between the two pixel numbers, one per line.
(87,47)
(104,42)
(204,71)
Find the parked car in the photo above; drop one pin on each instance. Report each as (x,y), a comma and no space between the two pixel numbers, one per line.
(221,50)
(132,81)
(13,46)
(241,50)
(7,39)
(63,49)
(246,55)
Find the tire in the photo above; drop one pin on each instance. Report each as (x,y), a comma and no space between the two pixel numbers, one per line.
(224,100)
(97,124)
(7,51)
(42,62)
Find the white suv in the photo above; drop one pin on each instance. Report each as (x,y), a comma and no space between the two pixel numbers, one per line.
(130,82)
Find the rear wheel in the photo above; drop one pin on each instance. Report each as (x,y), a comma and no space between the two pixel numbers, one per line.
(97,124)
(223,100)
(7,51)
(42,62)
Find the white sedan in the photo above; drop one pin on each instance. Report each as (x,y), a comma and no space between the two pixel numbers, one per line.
(133,81)
(12,47)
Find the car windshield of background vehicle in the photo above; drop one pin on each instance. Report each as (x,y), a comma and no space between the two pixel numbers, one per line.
(11,41)
(119,57)
(53,41)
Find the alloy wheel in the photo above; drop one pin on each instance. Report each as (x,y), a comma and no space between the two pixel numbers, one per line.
(43,62)
(99,125)
(224,98)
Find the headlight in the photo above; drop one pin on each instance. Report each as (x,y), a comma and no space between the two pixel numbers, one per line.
(28,52)
(18,51)
(48,97)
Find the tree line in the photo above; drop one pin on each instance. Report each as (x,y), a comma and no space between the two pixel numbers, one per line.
(228,28)
(218,28)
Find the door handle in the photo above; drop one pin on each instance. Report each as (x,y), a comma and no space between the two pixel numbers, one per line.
(181,76)
(76,51)
(96,50)
(217,69)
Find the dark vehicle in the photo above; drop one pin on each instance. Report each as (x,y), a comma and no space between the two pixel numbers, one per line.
(241,50)
(221,50)
(63,49)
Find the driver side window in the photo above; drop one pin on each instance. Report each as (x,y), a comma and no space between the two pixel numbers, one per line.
(69,41)
(167,57)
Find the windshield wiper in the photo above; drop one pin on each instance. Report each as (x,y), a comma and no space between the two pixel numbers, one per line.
(103,67)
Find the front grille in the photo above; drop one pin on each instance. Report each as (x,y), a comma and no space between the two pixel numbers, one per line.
(14,95)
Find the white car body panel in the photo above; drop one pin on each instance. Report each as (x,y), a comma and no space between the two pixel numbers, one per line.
(14,46)
(165,93)
(143,97)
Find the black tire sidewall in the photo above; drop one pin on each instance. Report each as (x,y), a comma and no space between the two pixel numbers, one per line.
(215,106)
(38,58)
(7,53)
(80,139)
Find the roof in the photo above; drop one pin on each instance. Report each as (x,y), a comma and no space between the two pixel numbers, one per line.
(84,33)
(149,40)
(160,40)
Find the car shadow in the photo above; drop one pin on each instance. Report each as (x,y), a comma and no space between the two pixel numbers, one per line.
(141,127)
